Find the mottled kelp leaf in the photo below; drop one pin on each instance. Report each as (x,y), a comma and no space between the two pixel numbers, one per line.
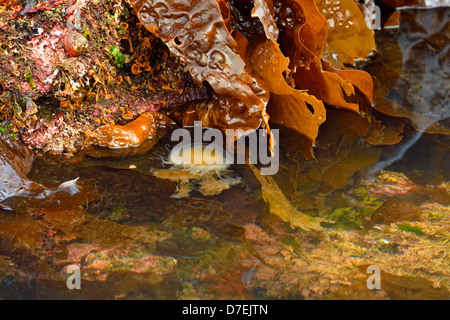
(273,66)
(388,131)
(404,3)
(264,10)
(196,32)
(136,137)
(223,112)
(281,206)
(292,108)
(302,30)
(313,34)
(332,86)
(227,112)
(348,37)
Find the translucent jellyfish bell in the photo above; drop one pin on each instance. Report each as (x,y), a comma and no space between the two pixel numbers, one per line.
(200,158)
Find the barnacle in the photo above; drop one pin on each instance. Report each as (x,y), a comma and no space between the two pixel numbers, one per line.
(119,79)
(135,69)
(74,43)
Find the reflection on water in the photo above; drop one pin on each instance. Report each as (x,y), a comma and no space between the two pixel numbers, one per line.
(121,226)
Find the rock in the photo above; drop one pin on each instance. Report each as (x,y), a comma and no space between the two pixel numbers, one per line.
(395,211)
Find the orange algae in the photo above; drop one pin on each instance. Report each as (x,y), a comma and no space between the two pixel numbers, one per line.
(136,137)
(224,47)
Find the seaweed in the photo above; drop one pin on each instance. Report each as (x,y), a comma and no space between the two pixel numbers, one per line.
(230,44)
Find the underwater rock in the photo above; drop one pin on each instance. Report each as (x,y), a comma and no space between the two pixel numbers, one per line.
(99,264)
(400,287)
(348,37)
(136,137)
(20,233)
(396,210)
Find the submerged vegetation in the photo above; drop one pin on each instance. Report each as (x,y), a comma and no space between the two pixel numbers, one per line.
(91,91)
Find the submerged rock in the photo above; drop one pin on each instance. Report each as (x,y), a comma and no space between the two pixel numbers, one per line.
(395,211)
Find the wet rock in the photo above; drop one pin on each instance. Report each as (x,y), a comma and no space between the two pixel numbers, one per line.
(15,162)
(396,210)
(21,194)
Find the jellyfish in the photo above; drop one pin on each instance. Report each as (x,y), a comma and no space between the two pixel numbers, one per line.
(203,167)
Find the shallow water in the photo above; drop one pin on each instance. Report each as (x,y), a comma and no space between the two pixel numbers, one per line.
(134,240)
(230,245)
